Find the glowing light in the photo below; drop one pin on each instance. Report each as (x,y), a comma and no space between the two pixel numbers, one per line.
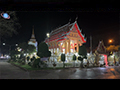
(24,54)
(16,44)
(88,54)
(3,43)
(48,34)
(5,15)
(34,53)
(110,40)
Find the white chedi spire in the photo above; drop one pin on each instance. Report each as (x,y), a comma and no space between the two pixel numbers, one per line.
(33,35)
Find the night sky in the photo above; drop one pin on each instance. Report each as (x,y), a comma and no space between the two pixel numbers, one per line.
(101,25)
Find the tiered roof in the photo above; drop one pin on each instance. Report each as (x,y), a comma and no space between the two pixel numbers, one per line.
(61,33)
(101,49)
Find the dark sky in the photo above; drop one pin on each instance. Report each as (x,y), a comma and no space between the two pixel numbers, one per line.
(102,24)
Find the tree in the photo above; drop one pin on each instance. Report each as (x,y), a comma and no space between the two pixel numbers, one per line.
(9,26)
(24,47)
(27,48)
(83,54)
(31,49)
(112,48)
(63,59)
(43,50)
(13,54)
(74,59)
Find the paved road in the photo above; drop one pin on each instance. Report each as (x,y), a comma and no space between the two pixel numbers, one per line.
(8,71)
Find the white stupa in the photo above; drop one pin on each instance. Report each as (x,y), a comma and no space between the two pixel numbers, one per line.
(33,40)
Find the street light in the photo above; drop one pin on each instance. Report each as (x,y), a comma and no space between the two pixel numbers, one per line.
(3,43)
(48,35)
(16,44)
(110,40)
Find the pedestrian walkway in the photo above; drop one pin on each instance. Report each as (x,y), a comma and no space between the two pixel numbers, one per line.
(8,71)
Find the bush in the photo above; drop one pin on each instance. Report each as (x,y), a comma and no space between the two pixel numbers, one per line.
(9,60)
(28,58)
(36,63)
(19,61)
(23,62)
(29,64)
(42,64)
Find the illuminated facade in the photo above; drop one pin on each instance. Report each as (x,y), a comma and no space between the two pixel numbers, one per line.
(33,40)
(65,39)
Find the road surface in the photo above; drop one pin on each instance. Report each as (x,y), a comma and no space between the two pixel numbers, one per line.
(8,71)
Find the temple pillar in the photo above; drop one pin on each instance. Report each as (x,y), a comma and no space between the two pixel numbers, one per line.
(65,47)
(77,45)
(53,48)
(68,46)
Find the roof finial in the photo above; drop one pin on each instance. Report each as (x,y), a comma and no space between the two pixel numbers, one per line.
(76,18)
(70,20)
(33,36)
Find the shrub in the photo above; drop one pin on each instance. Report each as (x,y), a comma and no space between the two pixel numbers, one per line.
(36,63)
(63,59)
(42,64)
(9,60)
(19,61)
(28,58)
(29,63)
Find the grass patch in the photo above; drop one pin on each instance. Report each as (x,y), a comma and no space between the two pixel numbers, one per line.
(26,66)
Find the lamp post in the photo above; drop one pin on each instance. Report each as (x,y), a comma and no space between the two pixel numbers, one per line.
(3,43)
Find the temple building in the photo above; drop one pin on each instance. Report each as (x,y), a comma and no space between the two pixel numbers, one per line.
(33,41)
(65,39)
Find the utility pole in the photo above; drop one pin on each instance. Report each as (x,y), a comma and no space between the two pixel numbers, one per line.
(90,44)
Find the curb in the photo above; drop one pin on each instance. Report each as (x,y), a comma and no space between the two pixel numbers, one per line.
(19,67)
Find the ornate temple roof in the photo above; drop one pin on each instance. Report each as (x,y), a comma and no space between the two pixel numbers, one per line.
(101,49)
(60,33)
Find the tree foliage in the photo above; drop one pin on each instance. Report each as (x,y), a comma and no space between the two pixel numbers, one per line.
(112,48)
(83,54)
(9,26)
(63,59)
(43,50)
(13,53)
(82,51)
(27,48)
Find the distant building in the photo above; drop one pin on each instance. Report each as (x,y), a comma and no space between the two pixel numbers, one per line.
(33,41)
(65,39)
